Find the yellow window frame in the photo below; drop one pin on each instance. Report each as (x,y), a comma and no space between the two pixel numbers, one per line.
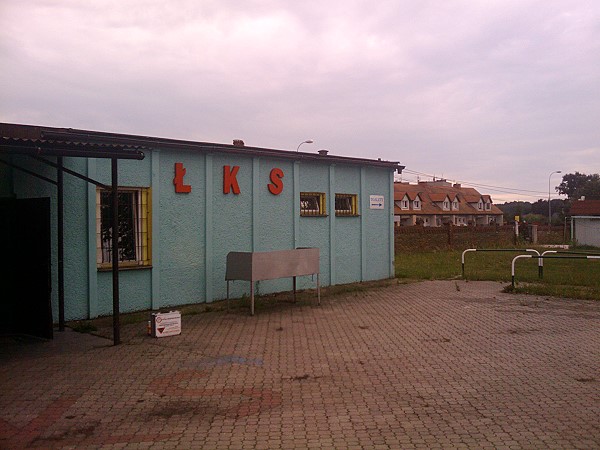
(353,211)
(316,198)
(143,230)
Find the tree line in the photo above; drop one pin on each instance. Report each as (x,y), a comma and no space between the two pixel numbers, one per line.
(576,186)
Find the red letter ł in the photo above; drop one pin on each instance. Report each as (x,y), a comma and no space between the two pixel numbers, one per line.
(178,180)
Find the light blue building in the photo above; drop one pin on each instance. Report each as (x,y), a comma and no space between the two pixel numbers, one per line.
(183,206)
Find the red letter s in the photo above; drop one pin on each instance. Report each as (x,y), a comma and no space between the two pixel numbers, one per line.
(276,185)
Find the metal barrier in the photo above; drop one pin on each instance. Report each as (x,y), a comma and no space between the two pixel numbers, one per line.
(546,256)
(541,262)
(496,250)
(560,252)
(574,252)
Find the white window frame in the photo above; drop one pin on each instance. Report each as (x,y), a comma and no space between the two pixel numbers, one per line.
(417,204)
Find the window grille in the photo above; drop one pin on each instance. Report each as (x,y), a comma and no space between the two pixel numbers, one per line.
(312,204)
(346,205)
(133,227)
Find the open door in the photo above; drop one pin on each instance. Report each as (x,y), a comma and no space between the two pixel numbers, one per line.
(25,267)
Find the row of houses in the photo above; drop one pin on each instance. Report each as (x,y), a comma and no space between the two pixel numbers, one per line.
(437,203)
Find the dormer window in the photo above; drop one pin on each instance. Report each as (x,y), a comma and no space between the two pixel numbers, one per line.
(416,204)
(404,204)
(446,205)
(455,205)
(488,206)
(480,205)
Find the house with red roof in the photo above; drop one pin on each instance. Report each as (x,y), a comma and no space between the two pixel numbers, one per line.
(437,203)
(585,222)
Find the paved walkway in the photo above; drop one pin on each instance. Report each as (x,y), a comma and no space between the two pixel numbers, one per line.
(438,364)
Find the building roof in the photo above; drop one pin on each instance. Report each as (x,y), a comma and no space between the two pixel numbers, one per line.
(585,208)
(432,195)
(26,136)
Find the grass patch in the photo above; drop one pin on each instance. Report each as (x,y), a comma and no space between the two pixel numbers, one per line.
(572,278)
(568,291)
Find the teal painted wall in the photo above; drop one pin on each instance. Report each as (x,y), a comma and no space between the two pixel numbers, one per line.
(377,226)
(232,220)
(347,236)
(135,290)
(192,233)
(180,231)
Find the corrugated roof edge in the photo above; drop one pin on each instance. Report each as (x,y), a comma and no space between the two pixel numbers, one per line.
(99,137)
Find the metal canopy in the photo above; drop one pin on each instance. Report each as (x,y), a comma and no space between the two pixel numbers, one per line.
(44,147)
(22,140)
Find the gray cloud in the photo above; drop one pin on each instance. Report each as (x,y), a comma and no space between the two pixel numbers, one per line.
(498,92)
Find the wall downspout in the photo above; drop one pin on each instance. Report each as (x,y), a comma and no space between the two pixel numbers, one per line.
(255,202)
(208,255)
(91,238)
(363,213)
(332,268)
(155,192)
(390,203)
(296,203)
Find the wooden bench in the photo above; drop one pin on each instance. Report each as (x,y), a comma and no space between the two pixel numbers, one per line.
(257,266)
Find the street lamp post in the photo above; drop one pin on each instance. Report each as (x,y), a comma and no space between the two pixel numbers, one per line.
(308,141)
(550,207)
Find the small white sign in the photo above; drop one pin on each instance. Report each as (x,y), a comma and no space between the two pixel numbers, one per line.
(165,324)
(376,202)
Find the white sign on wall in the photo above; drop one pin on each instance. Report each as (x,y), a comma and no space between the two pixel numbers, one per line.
(376,202)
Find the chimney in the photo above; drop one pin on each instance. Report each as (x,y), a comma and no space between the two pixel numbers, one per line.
(323,152)
(457,185)
(238,142)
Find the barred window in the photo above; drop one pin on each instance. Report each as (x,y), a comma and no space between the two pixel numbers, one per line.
(312,204)
(346,205)
(133,229)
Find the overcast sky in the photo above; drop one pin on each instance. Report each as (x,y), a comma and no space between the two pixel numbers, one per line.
(491,92)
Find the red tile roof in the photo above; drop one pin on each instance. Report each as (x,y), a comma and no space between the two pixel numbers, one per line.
(585,208)
(432,195)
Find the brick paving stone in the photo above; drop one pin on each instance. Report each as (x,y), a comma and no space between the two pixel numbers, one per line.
(423,365)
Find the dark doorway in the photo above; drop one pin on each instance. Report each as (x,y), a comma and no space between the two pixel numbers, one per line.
(25,267)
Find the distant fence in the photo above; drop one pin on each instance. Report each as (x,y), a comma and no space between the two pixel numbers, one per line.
(458,238)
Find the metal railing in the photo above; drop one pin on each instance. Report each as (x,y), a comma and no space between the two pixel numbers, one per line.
(494,250)
(544,256)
